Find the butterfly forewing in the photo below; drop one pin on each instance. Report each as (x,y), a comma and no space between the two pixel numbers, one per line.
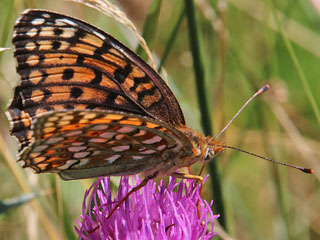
(65,63)
(83,144)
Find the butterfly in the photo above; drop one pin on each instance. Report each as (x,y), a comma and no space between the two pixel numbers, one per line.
(87,106)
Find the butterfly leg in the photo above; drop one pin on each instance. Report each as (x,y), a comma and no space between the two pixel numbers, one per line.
(136,188)
(187,176)
(194,177)
(202,168)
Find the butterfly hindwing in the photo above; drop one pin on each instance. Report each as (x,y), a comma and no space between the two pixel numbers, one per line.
(83,144)
(65,63)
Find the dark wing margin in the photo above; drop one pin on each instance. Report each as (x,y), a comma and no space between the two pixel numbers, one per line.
(66,63)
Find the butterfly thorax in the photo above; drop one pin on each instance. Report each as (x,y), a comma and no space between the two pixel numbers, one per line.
(196,148)
(203,148)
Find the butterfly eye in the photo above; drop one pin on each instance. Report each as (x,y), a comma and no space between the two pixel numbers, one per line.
(209,154)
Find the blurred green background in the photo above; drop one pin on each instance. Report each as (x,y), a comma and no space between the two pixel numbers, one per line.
(244,44)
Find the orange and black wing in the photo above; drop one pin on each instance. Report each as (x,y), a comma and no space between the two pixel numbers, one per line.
(65,63)
(84,144)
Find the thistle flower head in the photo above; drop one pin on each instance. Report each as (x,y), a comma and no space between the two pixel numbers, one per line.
(154,212)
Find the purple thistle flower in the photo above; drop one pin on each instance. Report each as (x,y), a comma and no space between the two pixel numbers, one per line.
(154,212)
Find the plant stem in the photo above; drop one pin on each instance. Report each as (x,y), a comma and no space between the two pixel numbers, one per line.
(203,105)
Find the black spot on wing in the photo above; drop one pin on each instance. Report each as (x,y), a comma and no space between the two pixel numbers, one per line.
(121,74)
(76,92)
(68,74)
(56,45)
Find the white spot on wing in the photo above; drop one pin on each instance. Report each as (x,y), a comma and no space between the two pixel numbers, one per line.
(45,15)
(37,21)
(59,22)
(68,32)
(30,46)
(99,127)
(40,148)
(161,147)
(148,151)
(83,162)
(120,148)
(107,135)
(73,133)
(64,45)
(140,133)
(67,164)
(125,130)
(112,158)
(77,149)
(152,140)
(98,140)
(47,32)
(81,154)
(54,140)
(32,32)
(77,143)
(119,136)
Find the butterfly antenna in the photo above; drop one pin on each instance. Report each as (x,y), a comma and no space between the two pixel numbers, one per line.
(260,91)
(305,170)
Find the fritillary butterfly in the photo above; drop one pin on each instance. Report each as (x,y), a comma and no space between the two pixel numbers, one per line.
(87,106)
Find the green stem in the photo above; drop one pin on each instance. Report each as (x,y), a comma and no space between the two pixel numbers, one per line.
(203,105)
(150,26)
(171,40)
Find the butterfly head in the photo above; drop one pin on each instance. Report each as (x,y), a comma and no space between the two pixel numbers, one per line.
(204,148)
(212,149)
